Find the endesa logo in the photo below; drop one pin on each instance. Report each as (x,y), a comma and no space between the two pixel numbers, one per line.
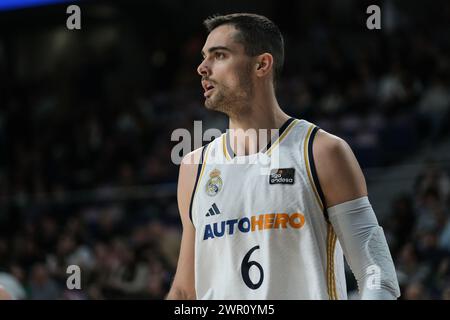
(254,223)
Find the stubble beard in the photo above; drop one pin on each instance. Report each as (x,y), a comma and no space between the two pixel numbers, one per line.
(234,103)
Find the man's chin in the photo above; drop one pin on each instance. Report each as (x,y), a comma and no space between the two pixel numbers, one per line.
(210,105)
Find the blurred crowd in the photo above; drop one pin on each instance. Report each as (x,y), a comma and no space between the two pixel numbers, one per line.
(418,234)
(124,251)
(87,112)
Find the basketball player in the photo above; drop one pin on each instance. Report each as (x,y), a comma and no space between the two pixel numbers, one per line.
(281,235)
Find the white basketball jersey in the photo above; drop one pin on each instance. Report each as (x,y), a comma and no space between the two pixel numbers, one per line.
(261,229)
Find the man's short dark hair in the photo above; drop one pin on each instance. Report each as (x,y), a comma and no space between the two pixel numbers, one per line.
(256,33)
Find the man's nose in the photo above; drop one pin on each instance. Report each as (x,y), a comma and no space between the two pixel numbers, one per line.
(203,68)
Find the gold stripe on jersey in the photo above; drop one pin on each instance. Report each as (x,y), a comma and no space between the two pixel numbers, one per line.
(308,169)
(224,146)
(331,236)
(331,280)
(202,169)
(330,294)
(204,163)
(283,135)
(273,145)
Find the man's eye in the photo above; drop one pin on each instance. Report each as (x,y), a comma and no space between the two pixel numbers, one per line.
(220,55)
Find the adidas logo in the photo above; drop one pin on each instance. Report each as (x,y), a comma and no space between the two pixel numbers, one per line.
(213,210)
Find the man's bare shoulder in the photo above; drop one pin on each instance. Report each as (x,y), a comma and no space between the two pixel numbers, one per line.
(327,144)
(192,158)
(187,180)
(339,172)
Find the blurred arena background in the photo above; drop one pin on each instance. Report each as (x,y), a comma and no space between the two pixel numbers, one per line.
(86,119)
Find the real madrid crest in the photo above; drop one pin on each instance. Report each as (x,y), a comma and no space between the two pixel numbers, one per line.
(215,183)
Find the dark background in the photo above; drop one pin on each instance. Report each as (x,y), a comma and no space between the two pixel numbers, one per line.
(86,118)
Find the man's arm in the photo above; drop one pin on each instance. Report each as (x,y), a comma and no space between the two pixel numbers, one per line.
(183,286)
(353,219)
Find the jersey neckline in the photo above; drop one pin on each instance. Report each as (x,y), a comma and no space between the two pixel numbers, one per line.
(274,141)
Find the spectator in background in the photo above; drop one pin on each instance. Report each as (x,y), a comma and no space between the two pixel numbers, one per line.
(10,287)
(435,105)
(409,269)
(446,293)
(415,291)
(130,276)
(401,223)
(42,286)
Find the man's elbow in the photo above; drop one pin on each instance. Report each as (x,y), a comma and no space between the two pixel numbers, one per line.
(386,290)
(380,278)
(176,293)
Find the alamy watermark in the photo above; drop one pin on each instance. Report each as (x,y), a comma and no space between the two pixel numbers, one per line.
(374,20)
(74,280)
(252,146)
(73,22)
(374,278)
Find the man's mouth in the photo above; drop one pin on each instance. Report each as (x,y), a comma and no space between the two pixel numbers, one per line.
(208,90)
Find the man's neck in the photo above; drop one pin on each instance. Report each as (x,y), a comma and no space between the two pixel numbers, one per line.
(261,117)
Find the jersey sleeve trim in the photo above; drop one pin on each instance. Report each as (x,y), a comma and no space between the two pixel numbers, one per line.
(201,168)
(283,132)
(311,169)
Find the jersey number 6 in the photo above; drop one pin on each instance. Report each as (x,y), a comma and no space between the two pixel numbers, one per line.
(245,270)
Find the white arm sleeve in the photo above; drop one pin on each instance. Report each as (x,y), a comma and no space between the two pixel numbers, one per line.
(365,248)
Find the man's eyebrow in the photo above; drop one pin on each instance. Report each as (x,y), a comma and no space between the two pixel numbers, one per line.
(212,49)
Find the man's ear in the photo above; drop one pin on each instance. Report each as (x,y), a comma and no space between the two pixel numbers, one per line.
(264,64)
